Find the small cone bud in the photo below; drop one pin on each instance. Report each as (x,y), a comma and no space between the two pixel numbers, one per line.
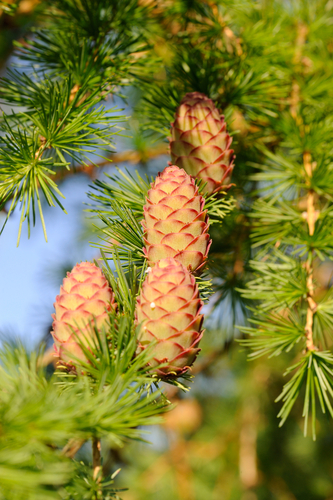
(83,303)
(200,143)
(175,223)
(168,310)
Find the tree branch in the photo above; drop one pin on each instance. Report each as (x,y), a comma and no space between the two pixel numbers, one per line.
(302,32)
(311,220)
(72,447)
(130,156)
(311,215)
(97,467)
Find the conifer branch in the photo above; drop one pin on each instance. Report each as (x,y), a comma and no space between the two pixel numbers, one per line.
(72,63)
(293,233)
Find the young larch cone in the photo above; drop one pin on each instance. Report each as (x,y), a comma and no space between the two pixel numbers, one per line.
(168,310)
(175,223)
(82,305)
(200,143)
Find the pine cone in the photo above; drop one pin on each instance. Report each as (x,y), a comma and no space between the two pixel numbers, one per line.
(200,143)
(175,224)
(168,310)
(83,302)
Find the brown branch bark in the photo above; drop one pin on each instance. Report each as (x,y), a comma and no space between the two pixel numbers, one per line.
(302,32)
(130,156)
(48,358)
(311,214)
(97,467)
(72,447)
(40,150)
(311,221)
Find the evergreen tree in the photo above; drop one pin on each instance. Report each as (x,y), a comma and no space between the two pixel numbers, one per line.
(267,67)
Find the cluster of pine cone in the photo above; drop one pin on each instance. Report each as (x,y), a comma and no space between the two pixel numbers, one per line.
(176,241)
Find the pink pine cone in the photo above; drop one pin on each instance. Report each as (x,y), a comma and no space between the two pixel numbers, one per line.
(175,223)
(168,310)
(200,143)
(83,303)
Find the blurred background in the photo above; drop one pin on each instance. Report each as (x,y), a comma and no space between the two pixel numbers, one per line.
(222,440)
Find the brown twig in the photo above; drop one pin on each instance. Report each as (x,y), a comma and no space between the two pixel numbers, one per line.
(72,447)
(39,152)
(310,209)
(311,214)
(311,220)
(97,467)
(130,156)
(48,358)
(302,32)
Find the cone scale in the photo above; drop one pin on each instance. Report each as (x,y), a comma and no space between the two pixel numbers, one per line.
(175,223)
(168,311)
(83,304)
(200,143)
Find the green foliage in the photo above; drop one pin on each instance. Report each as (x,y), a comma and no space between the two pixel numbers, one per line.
(123,230)
(119,205)
(78,56)
(125,286)
(291,229)
(108,396)
(273,334)
(39,415)
(284,279)
(217,206)
(281,283)
(125,188)
(35,142)
(85,486)
(315,372)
